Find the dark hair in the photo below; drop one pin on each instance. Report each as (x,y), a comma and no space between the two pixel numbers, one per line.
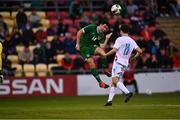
(125,28)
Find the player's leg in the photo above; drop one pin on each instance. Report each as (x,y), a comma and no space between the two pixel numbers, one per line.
(113,87)
(112,93)
(95,73)
(100,51)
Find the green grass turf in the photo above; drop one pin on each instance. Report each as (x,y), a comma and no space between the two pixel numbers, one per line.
(165,106)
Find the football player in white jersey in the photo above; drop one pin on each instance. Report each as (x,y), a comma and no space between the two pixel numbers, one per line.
(123,48)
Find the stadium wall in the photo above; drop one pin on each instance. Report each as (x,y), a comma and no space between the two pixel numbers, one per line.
(154,82)
(73,85)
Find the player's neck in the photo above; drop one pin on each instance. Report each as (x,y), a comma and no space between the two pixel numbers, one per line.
(98,30)
(124,34)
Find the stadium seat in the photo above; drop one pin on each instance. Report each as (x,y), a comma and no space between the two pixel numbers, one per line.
(5,15)
(19,70)
(32,47)
(28,13)
(68,22)
(45,22)
(13,15)
(41,14)
(35,30)
(50,38)
(63,15)
(88,14)
(19,49)
(9,22)
(73,30)
(10,30)
(59,58)
(51,15)
(13,58)
(50,66)
(111,21)
(53,21)
(41,70)
(76,22)
(29,70)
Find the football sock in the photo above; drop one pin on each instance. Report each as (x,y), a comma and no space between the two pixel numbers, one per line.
(96,74)
(104,62)
(111,93)
(121,86)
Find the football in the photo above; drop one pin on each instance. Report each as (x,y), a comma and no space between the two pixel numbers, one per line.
(116,9)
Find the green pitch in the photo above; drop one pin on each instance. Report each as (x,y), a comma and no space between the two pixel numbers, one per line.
(166,106)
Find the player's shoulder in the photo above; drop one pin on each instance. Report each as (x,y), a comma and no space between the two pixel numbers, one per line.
(91,25)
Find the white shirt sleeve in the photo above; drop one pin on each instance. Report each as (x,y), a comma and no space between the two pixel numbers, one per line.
(117,43)
(135,45)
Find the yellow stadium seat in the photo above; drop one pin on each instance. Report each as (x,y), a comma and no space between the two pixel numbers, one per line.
(9,22)
(13,15)
(10,30)
(41,70)
(32,47)
(19,70)
(35,30)
(50,67)
(29,70)
(50,38)
(45,23)
(5,14)
(13,58)
(59,58)
(19,49)
(28,13)
(41,14)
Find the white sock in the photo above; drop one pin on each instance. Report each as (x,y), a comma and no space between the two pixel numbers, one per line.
(111,93)
(121,86)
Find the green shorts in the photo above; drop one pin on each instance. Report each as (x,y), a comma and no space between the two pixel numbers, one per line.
(87,52)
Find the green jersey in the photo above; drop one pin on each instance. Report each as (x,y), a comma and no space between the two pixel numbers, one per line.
(90,40)
(91,36)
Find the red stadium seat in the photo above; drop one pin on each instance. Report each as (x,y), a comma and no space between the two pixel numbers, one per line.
(88,14)
(52,15)
(76,22)
(68,22)
(53,21)
(63,15)
(111,21)
(73,30)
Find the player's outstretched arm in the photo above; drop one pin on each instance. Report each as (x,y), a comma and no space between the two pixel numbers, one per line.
(111,52)
(139,51)
(79,34)
(106,41)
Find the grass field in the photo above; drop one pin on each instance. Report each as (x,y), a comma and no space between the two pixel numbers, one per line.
(159,106)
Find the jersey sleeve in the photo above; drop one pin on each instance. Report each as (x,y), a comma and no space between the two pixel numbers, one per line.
(117,44)
(89,28)
(135,45)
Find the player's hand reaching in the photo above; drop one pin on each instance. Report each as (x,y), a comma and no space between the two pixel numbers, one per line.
(108,35)
(77,47)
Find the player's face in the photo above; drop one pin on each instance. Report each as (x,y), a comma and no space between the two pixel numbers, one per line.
(104,28)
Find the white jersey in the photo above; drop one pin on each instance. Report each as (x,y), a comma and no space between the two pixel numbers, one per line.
(124,45)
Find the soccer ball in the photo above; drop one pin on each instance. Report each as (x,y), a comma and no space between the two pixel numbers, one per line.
(148,92)
(116,9)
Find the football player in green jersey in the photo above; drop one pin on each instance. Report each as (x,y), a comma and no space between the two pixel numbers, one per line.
(91,40)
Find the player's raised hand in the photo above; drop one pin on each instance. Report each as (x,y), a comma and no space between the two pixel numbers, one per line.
(108,35)
(77,47)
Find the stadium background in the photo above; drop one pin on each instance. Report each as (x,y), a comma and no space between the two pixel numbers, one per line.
(39,57)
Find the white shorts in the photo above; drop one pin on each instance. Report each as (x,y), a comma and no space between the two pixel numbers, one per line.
(118,70)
